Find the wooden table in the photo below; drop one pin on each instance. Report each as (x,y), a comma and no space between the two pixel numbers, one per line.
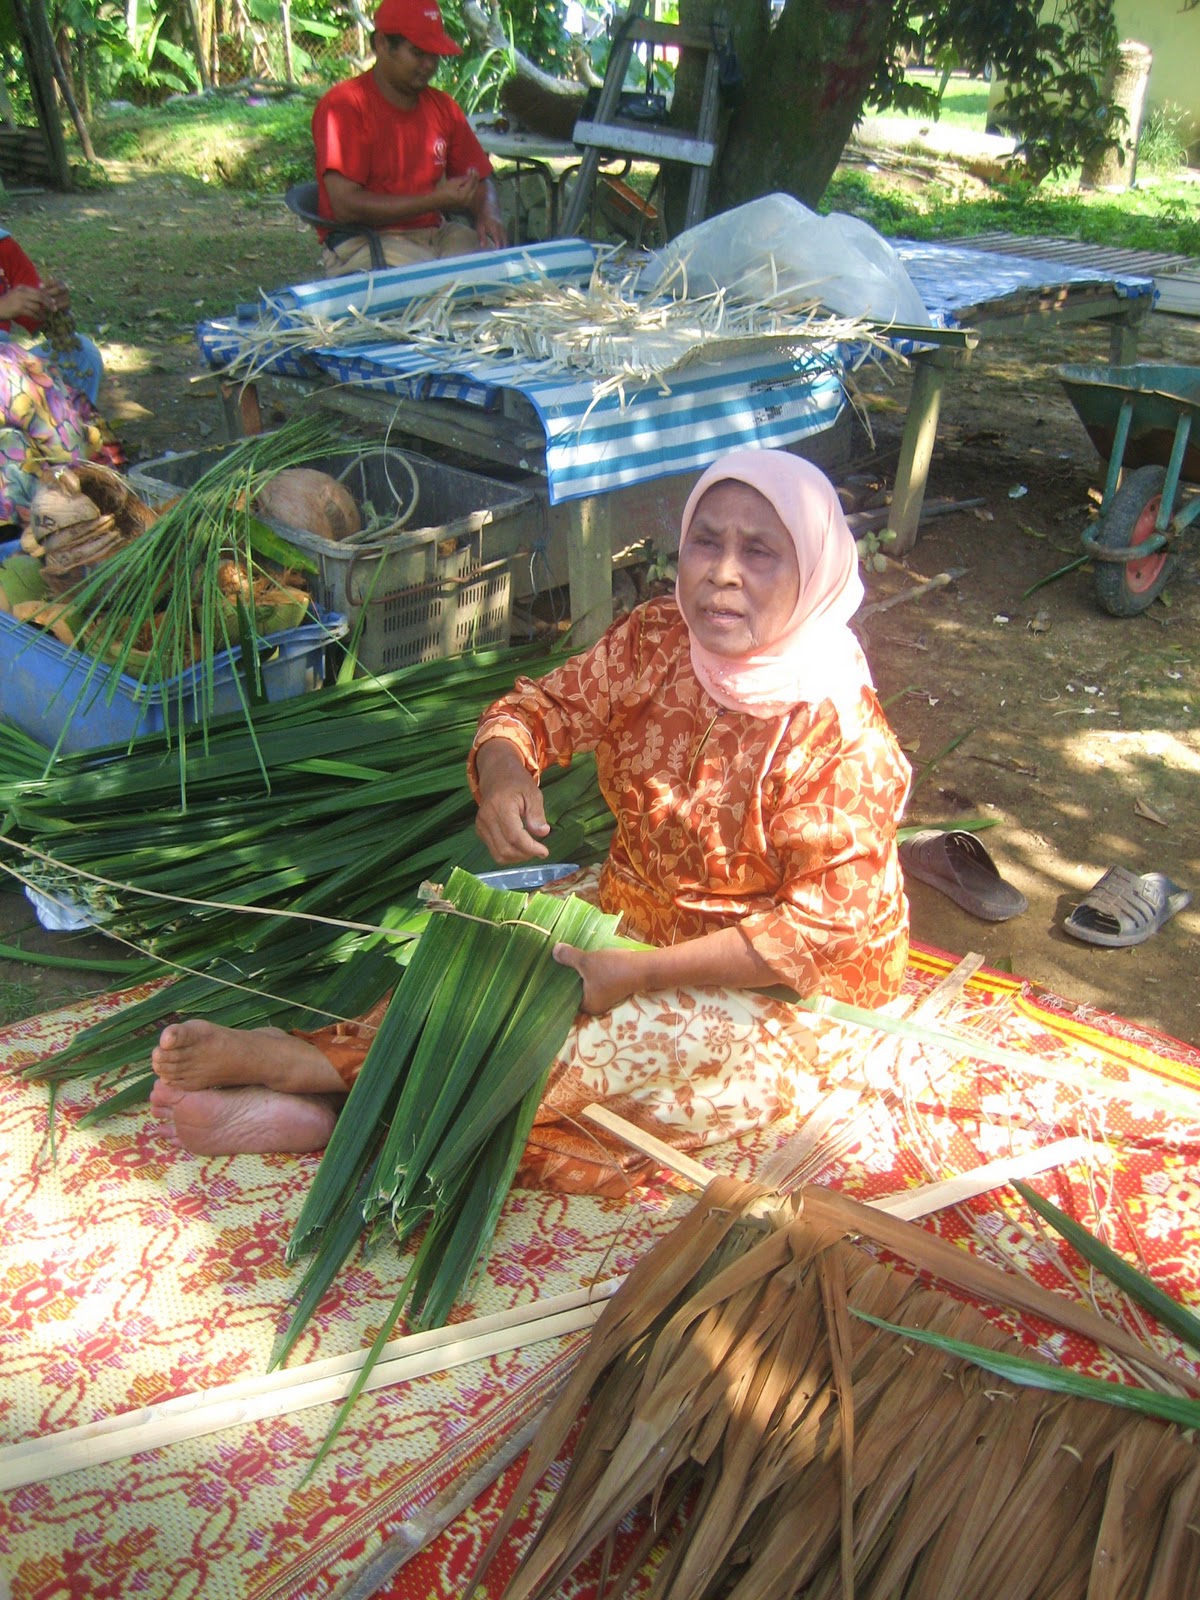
(1017,312)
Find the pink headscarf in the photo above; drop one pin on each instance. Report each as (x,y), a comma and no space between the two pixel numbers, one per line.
(816,657)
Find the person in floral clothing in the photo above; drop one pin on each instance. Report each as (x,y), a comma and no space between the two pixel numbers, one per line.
(756,789)
(44,416)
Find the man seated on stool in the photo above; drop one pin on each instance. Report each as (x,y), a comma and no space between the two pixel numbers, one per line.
(394,154)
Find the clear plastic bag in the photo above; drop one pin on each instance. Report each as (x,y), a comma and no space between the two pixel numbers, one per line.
(776,250)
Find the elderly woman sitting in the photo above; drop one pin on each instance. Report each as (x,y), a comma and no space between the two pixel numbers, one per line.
(756,789)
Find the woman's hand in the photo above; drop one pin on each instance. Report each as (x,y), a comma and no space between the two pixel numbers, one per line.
(26,301)
(511,819)
(58,296)
(609,976)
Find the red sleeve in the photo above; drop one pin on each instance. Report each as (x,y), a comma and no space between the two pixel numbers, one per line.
(16,269)
(464,152)
(339,144)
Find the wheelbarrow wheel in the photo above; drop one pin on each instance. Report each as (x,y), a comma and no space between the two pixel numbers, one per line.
(1124,588)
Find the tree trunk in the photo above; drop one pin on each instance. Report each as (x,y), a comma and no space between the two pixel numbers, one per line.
(81,77)
(197,25)
(68,93)
(803,86)
(37,46)
(285,15)
(1125,85)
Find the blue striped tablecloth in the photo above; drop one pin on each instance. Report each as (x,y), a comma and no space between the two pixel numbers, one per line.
(602,440)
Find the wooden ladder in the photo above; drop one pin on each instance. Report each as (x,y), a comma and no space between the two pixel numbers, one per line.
(609,134)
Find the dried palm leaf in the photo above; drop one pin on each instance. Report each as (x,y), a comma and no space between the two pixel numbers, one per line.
(807,1408)
(605,330)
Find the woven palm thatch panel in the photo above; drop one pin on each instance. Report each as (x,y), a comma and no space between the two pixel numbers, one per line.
(793,1449)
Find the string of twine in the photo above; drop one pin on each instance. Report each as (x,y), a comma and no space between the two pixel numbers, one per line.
(179,968)
(186,900)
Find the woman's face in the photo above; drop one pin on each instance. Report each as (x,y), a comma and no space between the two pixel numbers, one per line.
(739,579)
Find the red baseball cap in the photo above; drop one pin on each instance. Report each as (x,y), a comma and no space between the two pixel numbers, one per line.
(418,21)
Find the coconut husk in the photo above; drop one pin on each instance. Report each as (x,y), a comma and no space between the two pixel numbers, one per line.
(811,1454)
(80,515)
(54,615)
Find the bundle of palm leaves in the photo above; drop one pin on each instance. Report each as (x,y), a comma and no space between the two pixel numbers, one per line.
(437,1120)
(807,1420)
(284,891)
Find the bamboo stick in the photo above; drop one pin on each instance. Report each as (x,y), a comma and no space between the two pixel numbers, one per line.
(297,1389)
(930,1197)
(909,1205)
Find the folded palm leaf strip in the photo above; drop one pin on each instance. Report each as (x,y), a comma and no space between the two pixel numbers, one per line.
(437,1120)
(285,891)
(770,1402)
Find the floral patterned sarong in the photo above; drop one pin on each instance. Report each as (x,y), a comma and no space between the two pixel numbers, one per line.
(41,419)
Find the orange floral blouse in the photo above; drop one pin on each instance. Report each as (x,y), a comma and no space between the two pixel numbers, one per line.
(784,827)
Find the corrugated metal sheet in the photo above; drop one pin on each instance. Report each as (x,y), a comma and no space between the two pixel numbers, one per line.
(1177,278)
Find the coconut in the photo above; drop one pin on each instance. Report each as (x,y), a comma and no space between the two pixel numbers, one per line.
(302,497)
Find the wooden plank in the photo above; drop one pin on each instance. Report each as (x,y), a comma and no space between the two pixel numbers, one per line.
(1179,292)
(669,33)
(652,144)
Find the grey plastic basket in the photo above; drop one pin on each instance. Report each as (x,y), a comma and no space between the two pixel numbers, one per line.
(409,580)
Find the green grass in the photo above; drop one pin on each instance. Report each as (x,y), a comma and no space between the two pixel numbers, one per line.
(1159,217)
(17,1001)
(216,139)
(964,103)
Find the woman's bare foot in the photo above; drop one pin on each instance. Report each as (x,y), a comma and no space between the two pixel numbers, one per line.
(244,1121)
(205,1055)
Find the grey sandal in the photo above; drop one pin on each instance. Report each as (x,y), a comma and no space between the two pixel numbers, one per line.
(1123,909)
(955,862)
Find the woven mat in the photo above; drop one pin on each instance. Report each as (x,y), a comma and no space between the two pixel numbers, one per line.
(131,1272)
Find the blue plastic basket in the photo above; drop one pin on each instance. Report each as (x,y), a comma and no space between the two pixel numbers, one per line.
(45,689)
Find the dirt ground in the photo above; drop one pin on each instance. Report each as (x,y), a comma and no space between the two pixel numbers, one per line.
(1074,731)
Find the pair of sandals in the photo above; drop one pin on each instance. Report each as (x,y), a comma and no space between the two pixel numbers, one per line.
(1122,908)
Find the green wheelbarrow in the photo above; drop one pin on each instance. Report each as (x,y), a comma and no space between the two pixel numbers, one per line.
(1140,420)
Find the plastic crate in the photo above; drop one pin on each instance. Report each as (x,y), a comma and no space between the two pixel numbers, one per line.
(435,620)
(441,538)
(45,691)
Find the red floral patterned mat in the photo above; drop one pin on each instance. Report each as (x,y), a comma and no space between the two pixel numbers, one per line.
(131,1273)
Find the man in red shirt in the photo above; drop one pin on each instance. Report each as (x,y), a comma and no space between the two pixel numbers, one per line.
(395,154)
